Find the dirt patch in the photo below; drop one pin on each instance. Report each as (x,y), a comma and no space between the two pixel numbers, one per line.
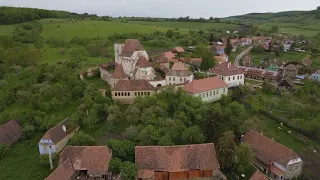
(108,135)
(311,161)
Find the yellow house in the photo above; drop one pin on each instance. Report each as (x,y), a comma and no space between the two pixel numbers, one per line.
(126,90)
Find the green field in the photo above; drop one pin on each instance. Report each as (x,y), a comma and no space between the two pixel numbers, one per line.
(284,56)
(290,29)
(185,25)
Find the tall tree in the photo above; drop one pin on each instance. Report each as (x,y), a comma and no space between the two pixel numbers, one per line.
(229,47)
(244,157)
(225,150)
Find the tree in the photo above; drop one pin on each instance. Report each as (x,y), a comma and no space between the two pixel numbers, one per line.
(206,55)
(251,123)
(269,88)
(27,132)
(82,139)
(217,20)
(314,54)
(229,47)
(115,165)
(274,29)
(244,157)
(123,150)
(44,159)
(225,150)
(128,170)
(4,150)
(193,135)
(170,33)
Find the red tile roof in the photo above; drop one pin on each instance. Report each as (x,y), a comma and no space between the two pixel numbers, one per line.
(258,176)
(119,72)
(64,171)
(317,72)
(94,159)
(130,46)
(57,133)
(268,150)
(178,50)
(226,69)
(206,84)
(179,69)
(133,85)
(143,62)
(219,48)
(307,62)
(220,59)
(175,158)
(277,171)
(10,132)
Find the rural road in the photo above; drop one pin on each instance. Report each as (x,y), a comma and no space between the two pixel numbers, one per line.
(239,57)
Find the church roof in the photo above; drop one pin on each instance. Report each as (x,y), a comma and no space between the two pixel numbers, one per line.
(119,72)
(143,62)
(130,46)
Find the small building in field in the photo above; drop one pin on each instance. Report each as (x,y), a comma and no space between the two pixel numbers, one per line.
(10,132)
(307,62)
(258,175)
(179,74)
(228,73)
(54,140)
(197,161)
(273,67)
(290,69)
(83,162)
(126,90)
(272,158)
(208,89)
(316,76)
(178,50)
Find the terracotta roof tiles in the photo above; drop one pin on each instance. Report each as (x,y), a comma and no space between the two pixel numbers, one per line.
(57,133)
(178,50)
(258,176)
(64,171)
(206,84)
(180,70)
(268,150)
(143,62)
(10,132)
(176,158)
(226,69)
(94,159)
(133,85)
(119,72)
(307,62)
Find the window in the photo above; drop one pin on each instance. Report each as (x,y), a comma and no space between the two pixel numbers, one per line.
(233,77)
(135,93)
(238,77)
(241,77)
(214,93)
(128,93)
(122,94)
(148,93)
(116,94)
(203,95)
(221,78)
(169,83)
(217,92)
(224,90)
(180,79)
(228,78)
(207,94)
(169,78)
(174,79)
(185,79)
(210,93)
(199,95)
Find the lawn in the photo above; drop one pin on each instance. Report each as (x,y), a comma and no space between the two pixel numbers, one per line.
(185,25)
(22,162)
(290,29)
(284,56)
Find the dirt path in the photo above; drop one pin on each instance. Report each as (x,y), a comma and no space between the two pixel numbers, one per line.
(239,57)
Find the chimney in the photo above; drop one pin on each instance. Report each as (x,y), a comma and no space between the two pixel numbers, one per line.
(228,65)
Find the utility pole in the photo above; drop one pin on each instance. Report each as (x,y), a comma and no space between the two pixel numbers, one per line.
(50,158)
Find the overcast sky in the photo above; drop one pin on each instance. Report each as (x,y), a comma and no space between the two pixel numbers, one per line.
(167,8)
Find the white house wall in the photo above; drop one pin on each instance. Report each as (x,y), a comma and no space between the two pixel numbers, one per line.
(212,95)
(234,80)
(174,80)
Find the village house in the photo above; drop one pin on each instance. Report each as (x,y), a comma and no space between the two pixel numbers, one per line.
(260,74)
(273,67)
(54,140)
(219,50)
(179,74)
(258,175)
(258,39)
(272,158)
(221,59)
(10,132)
(128,55)
(144,69)
(208,89)
(287,45)
(83,162)
(228,73)
(316,76)
(247,60)
(165,58)
(178,51)
(126,90)
(245,41)
(287,83)
(290,69)
(198,161)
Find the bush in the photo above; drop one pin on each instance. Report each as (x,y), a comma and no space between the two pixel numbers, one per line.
(114,165)
(82,139)
(27,132)
(44,159)
(128,170)
(4,150)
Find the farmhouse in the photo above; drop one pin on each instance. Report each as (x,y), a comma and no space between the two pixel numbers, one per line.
(165,58)
(245,41)
(208,89)
(83,162)
(260,74)
(228,73)
(126,90)
(178,50)
(128,55)
(290,69)
(316,76)
(54,140)
(10,132)
(274,159)
(221,59)
(287,83)
(177,162)
(179,74)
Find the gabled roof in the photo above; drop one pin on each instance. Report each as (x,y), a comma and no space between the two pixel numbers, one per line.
(175,158)
(289,81)
(226,69)
(143,62)
(57,133)
(268,150)
(133,85)
(119,72)
(130,46)
(178,50)
(220,59)
(317,72)
(290,67)
(10,132)
(165,57)
(258,176)
(203,85)
(180,70)
(94,159)
(64,171)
